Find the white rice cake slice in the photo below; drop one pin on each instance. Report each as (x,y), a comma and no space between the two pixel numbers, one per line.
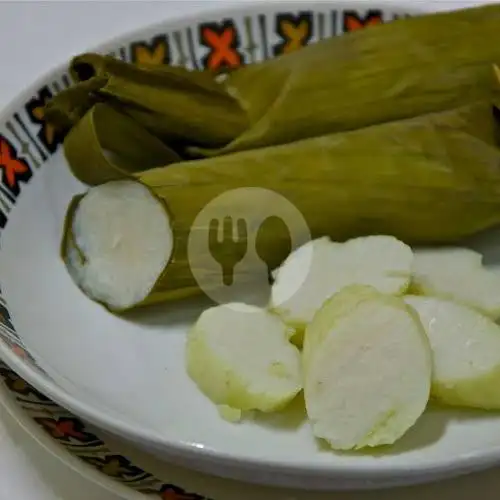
(240,357)
(457,274)
(466,353)
(367,369)
(315,271)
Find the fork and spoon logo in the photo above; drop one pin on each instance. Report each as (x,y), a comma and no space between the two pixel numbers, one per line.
(229,241)
(233,244)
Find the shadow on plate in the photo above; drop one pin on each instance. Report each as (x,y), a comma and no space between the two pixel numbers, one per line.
(169,314)
(467,414)
(289,419)
(488,244)
(187,311)
(428,430)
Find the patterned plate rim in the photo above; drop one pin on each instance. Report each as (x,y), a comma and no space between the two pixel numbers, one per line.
(9,401)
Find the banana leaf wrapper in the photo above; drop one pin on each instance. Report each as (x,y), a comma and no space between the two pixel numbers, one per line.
(192,115)
(397,70)
(90,65)
(107,145)
(68,107)
(426,180)
(173,103)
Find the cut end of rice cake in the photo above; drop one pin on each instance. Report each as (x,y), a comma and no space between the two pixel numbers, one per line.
(240,357)
(457,274)
(466,352)
(120,241)
(320,268)
(367,369)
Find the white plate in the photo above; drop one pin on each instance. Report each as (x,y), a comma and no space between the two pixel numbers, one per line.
(35,463)
(129,378)
(169,482)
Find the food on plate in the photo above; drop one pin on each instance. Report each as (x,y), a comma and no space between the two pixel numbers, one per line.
(240,358)
(367,369)
(229,414)
(381,139)
(466,352)
(110,146)
(457,274)
(118,244)
(369,364)
(396,70)
(68,107)
(315,271)
(428,179)
(91,65)
(173,103)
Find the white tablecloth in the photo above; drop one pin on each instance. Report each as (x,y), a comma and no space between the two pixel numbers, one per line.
(34,36)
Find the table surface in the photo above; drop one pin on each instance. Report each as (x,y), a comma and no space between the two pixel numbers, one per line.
(35,36)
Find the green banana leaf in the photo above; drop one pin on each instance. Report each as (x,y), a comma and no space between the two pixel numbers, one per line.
(178,112)
(107,145)
(430,179)
(396,70)
(89,65)
(66,109)
(173,103)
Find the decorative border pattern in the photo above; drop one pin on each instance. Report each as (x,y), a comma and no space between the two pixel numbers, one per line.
(70,432)
(27,142)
